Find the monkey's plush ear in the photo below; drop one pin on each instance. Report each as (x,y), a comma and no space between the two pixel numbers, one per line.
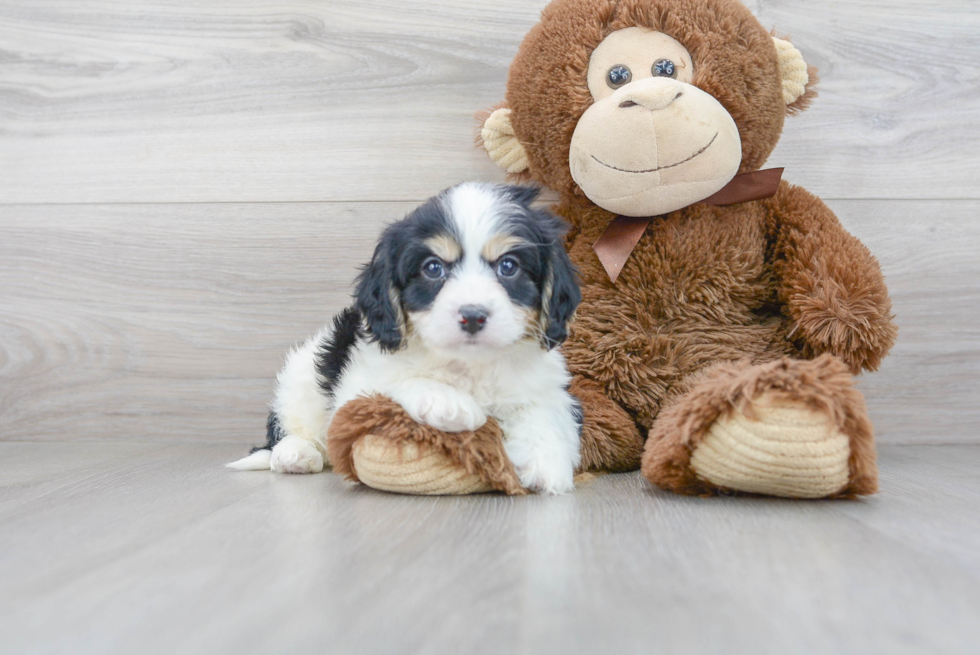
(497,136)
(799,79)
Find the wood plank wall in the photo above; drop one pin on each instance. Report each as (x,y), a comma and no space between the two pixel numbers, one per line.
(186,188)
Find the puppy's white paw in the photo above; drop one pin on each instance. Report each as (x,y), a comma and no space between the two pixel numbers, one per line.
(545,472)
(543,445)
(449,412)
(295,455)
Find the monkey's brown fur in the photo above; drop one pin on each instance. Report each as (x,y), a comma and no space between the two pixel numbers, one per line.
(716,305)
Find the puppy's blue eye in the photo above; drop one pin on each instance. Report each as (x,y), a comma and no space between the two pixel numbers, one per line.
(664,68)
(433,269)
(618,76)
(508,267)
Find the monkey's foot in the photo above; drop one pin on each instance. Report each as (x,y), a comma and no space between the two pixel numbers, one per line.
(375,442)
(411,468)
(792,428)
(785,449)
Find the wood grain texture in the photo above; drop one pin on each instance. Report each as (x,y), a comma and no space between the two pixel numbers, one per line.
(927,388)
(155,549)
(170,321)
(165,320)
(899,97)
(297,100)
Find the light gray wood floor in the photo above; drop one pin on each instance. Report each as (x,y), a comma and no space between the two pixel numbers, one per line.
(155,548)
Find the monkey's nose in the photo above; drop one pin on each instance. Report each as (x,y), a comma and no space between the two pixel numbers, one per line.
(472,318)
(653,94)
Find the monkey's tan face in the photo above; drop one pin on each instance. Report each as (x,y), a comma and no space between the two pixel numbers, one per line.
(652,142)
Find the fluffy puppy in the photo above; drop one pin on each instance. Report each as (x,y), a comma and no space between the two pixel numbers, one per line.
(456,318)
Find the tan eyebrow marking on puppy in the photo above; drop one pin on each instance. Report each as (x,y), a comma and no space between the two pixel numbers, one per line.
(499,245)
(444,247)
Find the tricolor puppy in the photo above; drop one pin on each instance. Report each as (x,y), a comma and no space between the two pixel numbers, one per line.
(456,318)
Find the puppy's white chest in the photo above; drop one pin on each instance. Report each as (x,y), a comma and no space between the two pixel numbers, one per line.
(480,381)
(459,375)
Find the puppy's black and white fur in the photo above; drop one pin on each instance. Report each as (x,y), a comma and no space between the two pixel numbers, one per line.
(456,318)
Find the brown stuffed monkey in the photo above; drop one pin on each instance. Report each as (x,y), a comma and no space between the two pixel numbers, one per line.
(724,311)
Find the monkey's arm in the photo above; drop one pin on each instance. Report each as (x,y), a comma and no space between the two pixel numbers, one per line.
(829,282)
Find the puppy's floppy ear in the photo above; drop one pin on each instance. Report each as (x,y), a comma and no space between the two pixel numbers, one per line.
(560,294)
(378,299)
(522,195)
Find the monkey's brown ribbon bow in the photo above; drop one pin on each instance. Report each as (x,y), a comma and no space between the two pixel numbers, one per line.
(616,244)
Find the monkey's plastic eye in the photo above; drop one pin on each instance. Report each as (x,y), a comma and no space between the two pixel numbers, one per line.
(508,267)
(433,268)
(618,76)
(664,68)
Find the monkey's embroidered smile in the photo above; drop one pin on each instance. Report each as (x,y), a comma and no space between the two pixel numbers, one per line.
(659,168)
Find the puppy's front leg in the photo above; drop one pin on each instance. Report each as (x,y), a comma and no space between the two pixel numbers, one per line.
(439,405)
(542,442)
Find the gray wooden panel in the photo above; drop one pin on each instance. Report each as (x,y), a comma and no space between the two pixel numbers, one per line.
(247,101)
(298,100)
(899,97)
(170,321)
(927,389)
(169,552)
(165,320)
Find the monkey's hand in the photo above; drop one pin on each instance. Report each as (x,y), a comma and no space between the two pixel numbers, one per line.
(830,283)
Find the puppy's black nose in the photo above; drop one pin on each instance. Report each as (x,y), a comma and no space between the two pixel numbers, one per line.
(472,318)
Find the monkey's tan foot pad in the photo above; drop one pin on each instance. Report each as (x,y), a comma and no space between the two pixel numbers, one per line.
(791,428)
(373,441)
(785,449)
(411,468)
